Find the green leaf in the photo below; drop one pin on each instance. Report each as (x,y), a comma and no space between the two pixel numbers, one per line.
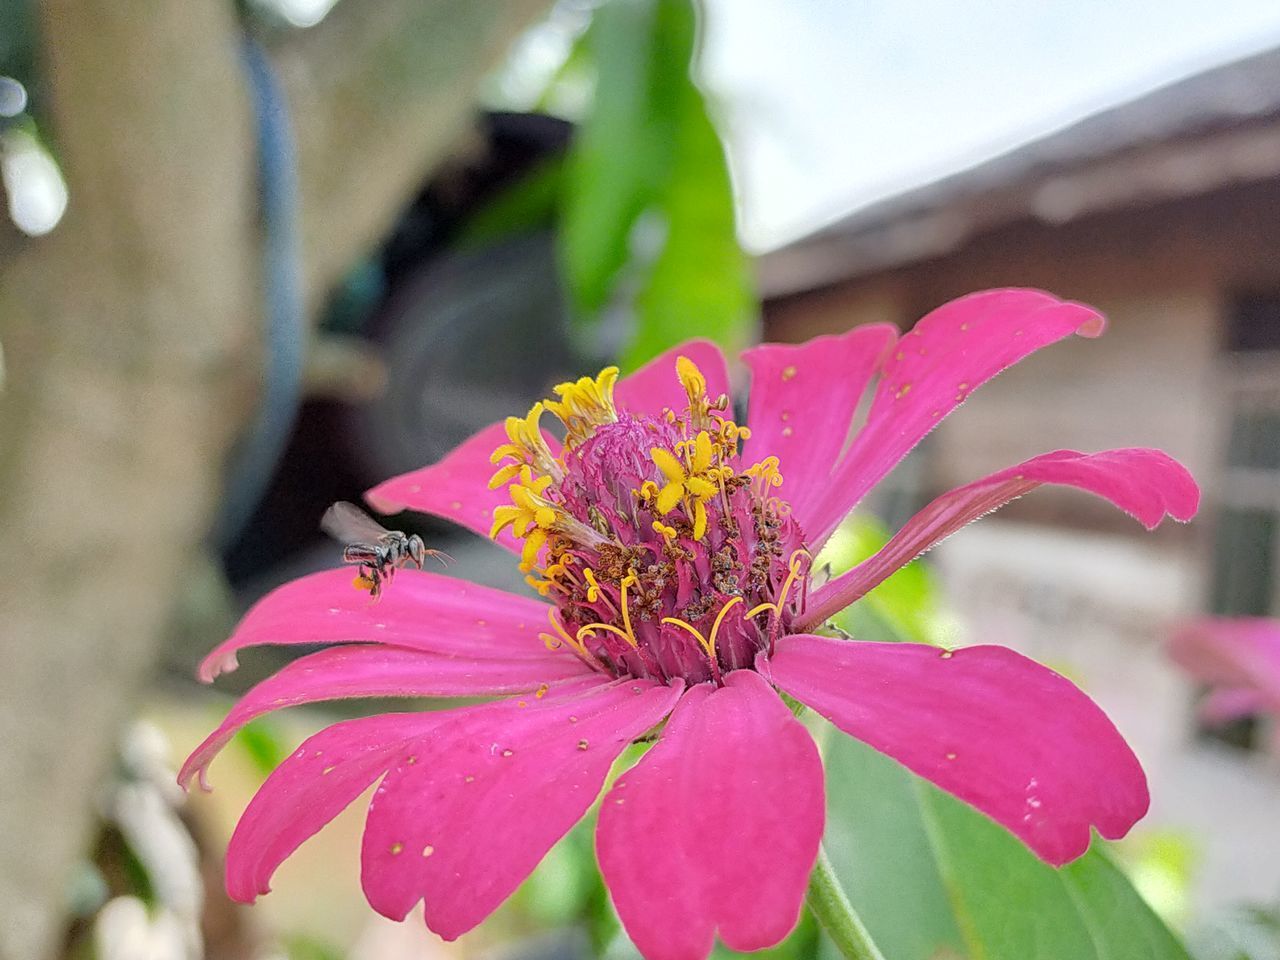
(701,282)
(932,878)
(264,742)
(648,204)
(621,152)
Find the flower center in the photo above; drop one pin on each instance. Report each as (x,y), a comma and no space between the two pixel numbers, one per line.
(664,555)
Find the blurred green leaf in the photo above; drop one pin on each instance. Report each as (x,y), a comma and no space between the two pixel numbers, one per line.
(647,169)
(933,878)
(528,204)
(305,947)
(905,606)
(559,891)
(264,742)
(701,281)
(621,152)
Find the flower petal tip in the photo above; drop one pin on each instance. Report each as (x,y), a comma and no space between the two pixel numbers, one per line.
(216,664)
(1092,323)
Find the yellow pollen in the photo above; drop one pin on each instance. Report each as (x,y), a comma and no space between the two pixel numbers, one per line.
(527,447)
(693,482)
(788,373)
(709,642)
(363,583)
(585,404)
(691,378)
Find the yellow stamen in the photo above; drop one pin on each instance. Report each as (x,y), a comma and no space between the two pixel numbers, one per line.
(700,518)
(793,572)
(702,452)
(693,483)
(708,643)
(527,447)
(554,642)
(668,533)
(767,471)
(585,404)
(695,387)
(627,634)
(691,378)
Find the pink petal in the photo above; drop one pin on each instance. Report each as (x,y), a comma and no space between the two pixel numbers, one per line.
(1004,734)
(316,783)
(717,827)
(426,611)
(1232,652)
(802,403)
(655,385)
(456,488)
(1231,703)
(494,788)
(1146,484)
(947,355)
(374,670)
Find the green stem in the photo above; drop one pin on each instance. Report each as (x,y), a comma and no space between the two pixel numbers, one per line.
(836,916)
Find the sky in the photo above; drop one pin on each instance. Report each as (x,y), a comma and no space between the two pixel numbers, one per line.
(828,105)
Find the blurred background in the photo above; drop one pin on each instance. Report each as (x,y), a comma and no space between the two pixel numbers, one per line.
(258,256)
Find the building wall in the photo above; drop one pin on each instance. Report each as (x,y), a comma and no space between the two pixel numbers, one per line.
(1162,276)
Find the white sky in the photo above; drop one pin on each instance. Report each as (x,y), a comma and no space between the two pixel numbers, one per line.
(831,104)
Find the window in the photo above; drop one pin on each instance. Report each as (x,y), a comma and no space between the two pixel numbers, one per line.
(1246,550)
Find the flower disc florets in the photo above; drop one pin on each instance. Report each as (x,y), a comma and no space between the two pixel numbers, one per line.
(664,554)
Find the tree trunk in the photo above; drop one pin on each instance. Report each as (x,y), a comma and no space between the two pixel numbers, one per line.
(121,330)
(129,340)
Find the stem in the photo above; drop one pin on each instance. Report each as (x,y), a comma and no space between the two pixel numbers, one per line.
(836,916)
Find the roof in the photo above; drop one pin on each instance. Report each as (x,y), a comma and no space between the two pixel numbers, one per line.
(1173,139)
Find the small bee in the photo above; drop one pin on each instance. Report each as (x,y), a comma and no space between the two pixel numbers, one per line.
(377,551)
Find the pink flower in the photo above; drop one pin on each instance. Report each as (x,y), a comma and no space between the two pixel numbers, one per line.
(675,563)
(1239,659)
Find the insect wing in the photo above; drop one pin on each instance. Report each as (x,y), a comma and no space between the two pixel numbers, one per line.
(348,524)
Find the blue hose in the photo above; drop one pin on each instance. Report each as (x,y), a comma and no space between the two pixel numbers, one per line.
(254,459)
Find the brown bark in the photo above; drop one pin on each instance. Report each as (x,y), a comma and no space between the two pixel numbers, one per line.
(129,336)
(119,331)
(380,91)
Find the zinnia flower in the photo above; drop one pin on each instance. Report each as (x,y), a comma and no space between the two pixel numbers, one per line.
(679,599)
(1238,658)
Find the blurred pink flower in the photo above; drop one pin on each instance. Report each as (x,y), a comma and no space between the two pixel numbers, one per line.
(1238,658)
(679,587)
